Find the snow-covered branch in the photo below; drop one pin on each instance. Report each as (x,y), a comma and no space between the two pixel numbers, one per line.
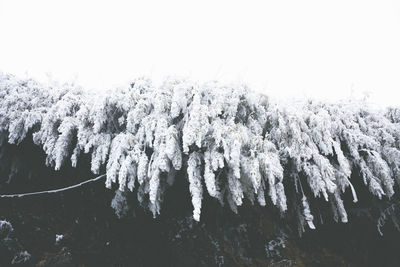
(228,141)
(54,190)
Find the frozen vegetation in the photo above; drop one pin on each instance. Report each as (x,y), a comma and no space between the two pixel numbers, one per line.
(232,144)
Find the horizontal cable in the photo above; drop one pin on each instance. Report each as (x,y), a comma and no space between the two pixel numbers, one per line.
(54,190)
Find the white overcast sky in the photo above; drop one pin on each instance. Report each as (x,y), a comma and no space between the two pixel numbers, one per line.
(326,49)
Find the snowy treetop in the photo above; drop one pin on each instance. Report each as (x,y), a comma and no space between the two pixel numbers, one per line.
(233,144)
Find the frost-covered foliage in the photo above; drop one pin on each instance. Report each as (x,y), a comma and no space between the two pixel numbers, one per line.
(9,243)
(120,204)
(231,143)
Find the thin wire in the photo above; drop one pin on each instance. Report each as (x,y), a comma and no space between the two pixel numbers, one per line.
(54,190)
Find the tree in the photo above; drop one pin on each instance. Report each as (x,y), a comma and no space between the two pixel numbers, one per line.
(232,143)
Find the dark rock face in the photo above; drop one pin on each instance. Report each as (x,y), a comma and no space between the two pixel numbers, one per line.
(92,235)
